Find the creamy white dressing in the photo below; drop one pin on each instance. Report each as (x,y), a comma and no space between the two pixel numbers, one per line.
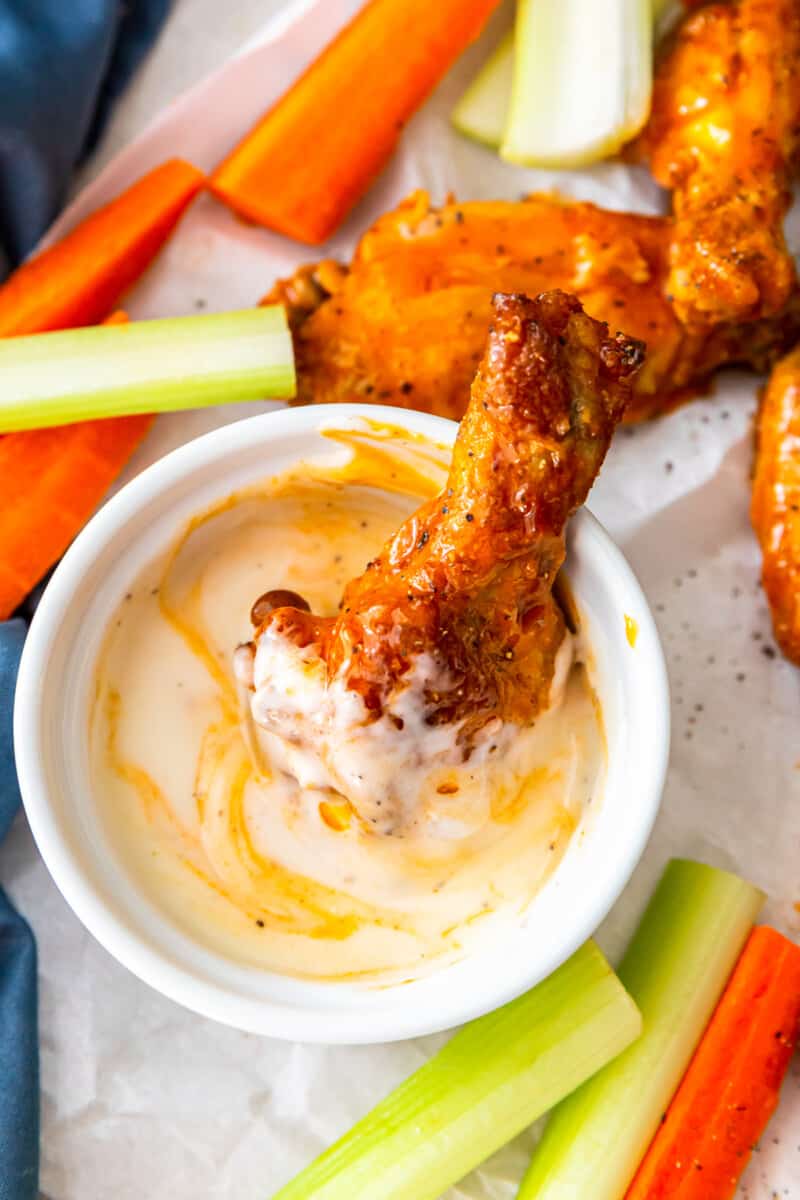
(205,811)
(393,770)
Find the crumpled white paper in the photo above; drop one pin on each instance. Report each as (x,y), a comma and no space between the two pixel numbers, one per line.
(143,1099)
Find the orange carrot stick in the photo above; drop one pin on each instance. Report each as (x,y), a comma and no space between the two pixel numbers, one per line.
(51,481)
(311,157)
(79,279)
(732,1085)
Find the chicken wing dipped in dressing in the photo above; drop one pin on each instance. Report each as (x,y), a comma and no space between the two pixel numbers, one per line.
(776,500)
(724,135)
(405,323)
(452,637)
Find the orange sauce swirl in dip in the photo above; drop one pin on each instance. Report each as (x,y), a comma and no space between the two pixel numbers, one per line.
(234,852)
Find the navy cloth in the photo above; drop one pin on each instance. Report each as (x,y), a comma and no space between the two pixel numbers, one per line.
(62,65)
(19,1060)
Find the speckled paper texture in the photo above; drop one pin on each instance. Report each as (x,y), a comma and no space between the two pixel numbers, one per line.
(143,1099)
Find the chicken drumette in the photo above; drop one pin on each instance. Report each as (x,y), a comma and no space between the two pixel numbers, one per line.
(776,500)
(452,635)
(724,135)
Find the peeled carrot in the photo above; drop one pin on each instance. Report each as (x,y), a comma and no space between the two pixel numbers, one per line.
(310,158)
(731,1087)
(79,279)
(51,481)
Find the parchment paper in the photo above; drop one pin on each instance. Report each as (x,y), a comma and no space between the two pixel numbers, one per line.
(142,1099)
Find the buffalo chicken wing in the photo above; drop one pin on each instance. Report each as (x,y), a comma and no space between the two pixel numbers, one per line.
(405,323)
(776,500)
(723,136)
(453,635)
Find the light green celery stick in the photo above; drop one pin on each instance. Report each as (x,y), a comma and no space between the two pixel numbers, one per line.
(145,366)
(675,968)
(482,110)
(582,80)
(493,1078)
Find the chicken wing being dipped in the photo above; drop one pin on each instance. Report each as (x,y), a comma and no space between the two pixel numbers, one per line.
(452,637)
(405,323)
(723,135)
(776,500)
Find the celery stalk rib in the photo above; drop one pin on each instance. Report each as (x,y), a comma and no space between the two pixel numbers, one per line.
(491,1080)
(482,111)
(582,80)
(675,968)
(144,366)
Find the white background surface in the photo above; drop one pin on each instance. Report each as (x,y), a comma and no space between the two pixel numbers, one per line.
(141,1099)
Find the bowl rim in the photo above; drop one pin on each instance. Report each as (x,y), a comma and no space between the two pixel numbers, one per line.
(133,948)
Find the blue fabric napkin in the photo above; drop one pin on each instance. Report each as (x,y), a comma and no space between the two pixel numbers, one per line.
(19,1060)
(62,65)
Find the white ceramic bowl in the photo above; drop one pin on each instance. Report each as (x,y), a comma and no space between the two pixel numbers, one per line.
(51,720)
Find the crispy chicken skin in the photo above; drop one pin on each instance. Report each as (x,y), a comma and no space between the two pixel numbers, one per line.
(405,323)
(776,500)
(465,584)
(723,136)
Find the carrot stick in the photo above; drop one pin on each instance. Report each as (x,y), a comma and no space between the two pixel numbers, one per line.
(731,1087)
(51,481)
(79,279)
(310,158)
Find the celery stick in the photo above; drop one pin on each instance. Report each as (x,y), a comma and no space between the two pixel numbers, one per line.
(492,1079)
(482,111)
(146,366)
(582,80)
(675,968)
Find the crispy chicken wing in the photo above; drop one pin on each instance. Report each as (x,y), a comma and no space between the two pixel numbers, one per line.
(723,136)
(405,324)
(453,631)
(776,500)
